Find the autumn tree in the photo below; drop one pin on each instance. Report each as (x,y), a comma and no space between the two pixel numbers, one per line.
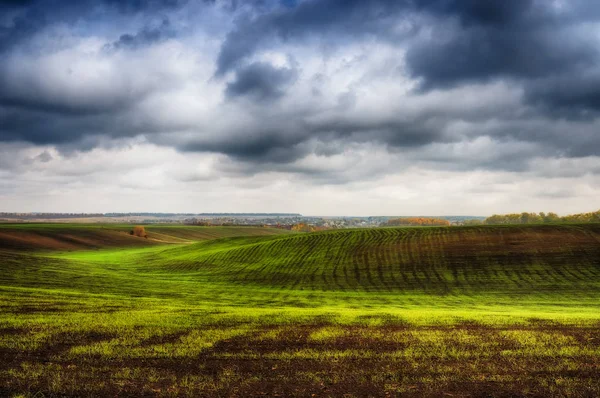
(538,218)
(302,227)
(139,231)
(418,222)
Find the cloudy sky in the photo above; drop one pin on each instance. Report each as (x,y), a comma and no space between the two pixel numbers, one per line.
(323,107)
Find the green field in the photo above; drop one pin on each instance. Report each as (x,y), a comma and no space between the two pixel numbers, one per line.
(88,310)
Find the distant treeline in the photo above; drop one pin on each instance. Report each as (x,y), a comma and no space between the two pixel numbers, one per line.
(203,214)
(27,216)
(542,218)
(418,222)
(89,215)
(250,214)
(146,214)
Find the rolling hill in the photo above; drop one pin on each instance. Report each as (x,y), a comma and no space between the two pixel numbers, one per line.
(491,260)
(97,236)
(433,260)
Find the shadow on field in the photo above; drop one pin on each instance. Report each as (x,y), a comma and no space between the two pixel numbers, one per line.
(320,360)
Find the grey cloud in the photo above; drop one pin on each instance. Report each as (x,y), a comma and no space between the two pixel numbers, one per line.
(59,111)
(130,6)
(526,40)
(547,50)
(566,138)
(43,157)
(15,3)
(557,194)
(478,12)
(465,41)
(82,132)
(285,139)
(335,17)
(571,95)
(261,81)
(262,146)
(146,36)
(485,23)
(31,17)
(47,104)
(390,133)
(69,89)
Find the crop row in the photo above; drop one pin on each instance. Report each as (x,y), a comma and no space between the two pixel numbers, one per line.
(435,260)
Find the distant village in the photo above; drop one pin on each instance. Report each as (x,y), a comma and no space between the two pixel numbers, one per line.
(274,220)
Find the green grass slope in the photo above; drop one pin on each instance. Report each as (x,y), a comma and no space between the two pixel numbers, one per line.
(385,268)
(499,259)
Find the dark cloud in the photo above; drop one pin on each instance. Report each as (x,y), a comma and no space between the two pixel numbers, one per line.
(132,6)
(122,5)
(289,3)
(466,41)
(355,19)
(284,140)
(309,18)
(479,54)
(392,132)
(69,131)
(15,3)
(498,39)
(476,12)
(261,81)
(42,129)
(495,38)
(540,46)
(21,26)
(28,101)
(29,17)
(145,36)
(267,147)
(571,95)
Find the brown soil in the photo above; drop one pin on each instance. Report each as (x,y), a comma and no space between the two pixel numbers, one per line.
(529,376)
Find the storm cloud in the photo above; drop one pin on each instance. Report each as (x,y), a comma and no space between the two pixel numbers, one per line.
(317,91)
(261,81)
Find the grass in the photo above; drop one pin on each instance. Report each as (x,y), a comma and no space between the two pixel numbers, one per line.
(473,311)
(62,236)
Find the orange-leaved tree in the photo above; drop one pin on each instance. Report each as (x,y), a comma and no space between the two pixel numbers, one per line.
(418,221)
(140,231)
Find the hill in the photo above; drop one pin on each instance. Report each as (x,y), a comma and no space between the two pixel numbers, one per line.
(543,258)
(98,236)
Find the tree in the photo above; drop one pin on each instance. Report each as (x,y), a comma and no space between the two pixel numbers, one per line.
(473,221)
(533,218)
(550,217)
(302,227)
(139,231)
(418,222)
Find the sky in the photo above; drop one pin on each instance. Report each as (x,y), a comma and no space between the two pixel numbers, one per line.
(321,107)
